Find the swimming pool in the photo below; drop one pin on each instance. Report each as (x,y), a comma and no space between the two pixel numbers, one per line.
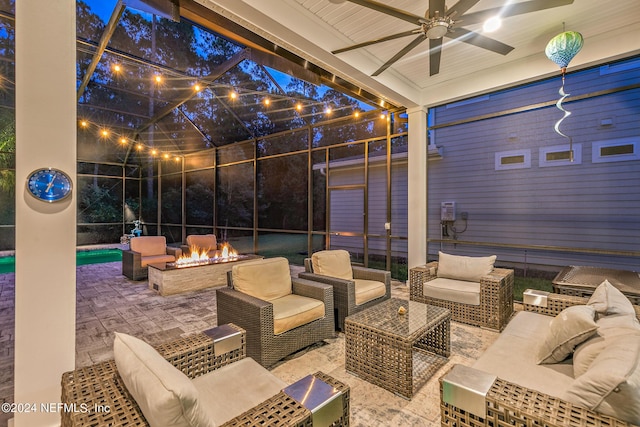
(94,256)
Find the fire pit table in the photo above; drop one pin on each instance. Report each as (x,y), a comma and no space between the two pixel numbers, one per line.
(583,280)
(170,278)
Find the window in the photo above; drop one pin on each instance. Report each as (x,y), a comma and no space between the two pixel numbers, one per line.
(560,155)
(515,159)
(615,150)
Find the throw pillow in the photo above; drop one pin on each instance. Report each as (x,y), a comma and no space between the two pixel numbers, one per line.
(165,395)
(468,268)
(611,385)
(569,328)
(607,299)
(333,263)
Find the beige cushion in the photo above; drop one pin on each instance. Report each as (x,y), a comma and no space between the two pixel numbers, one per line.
(166,396)
(368,290)
(464,267)
(611,385)
(569,328)
(233,389)
(512,356)
(607,299)
(266,279)
(334,263)
(204,242)
(291,311)
(151,259)
(586,353)
(460,291)
(149,245)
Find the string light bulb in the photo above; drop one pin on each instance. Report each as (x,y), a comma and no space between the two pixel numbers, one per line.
(267,101)
(123,140)
(157,78)
(233,94)
(84,123)
(197,87)
(117,68)
(104,133)
(299,106)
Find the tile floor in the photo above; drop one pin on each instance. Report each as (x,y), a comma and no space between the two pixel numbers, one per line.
(108,302)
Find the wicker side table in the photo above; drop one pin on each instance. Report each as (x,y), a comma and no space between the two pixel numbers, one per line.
(398,352)
(581,281)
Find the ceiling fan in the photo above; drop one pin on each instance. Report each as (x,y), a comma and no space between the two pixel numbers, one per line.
(439,22)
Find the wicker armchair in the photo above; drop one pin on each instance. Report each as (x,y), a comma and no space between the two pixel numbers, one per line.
(101,389)
(507,403)
(496,297)
(344,290)
(265,344)
(145,250)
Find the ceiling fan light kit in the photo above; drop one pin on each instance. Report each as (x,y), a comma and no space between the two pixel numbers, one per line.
(438,27)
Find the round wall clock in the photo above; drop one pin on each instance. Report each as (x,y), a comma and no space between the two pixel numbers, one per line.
(49,184)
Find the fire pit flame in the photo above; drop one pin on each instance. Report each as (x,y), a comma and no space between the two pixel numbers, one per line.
(200,256)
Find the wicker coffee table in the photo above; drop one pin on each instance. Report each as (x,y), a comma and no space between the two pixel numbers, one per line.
(581,281)
(398,352)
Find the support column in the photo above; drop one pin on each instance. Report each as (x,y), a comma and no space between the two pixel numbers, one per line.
(45,280)
(417,187)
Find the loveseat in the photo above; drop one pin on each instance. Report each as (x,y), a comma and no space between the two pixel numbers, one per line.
(473,290)
(563,361)
(145,250)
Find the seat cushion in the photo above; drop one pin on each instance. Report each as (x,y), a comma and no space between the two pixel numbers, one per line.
(291,311)
(464,267)
(166,396)
(204,242)
(333,263)
(149,245)
(266,279)
(460,291)
(367,290)
(146,260)
(513,355)
(233,389)
(570,327)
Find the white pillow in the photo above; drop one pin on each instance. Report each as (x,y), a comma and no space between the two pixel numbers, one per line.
(165,395)
(611,385)
(570,327)
(607,300)
(457,267)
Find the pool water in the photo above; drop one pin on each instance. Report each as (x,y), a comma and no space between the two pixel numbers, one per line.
(96,256)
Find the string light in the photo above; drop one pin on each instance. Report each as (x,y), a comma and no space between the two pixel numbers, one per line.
(267,102)
(104,133)
(197,87)
(356,114)
(299,106)
(117,68)
(157,78)
(233,94)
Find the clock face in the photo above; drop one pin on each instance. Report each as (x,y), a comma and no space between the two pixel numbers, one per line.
(50,185)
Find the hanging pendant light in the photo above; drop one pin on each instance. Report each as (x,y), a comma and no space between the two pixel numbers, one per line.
(561,49)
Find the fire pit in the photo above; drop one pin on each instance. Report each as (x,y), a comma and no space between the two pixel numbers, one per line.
(199,270)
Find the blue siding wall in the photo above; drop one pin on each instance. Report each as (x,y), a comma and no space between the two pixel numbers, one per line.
(584,205)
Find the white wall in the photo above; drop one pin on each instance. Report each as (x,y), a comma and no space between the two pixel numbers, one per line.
(45,233)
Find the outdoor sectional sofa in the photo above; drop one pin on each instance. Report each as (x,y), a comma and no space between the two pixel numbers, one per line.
(591,374)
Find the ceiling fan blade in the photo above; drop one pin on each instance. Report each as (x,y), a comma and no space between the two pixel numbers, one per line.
(461,7)
(435,6)
(435,52)
(512,10)
(478,40)
(380,40)
(400,54)
(391,11)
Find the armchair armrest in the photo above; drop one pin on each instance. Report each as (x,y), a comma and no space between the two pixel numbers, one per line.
(250,313)
(503,400)
(176,252)
(419,275)
(311,289)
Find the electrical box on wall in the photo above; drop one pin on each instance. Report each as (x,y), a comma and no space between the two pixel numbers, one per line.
(447,211)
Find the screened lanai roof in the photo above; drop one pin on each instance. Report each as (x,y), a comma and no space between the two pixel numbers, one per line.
(147,83)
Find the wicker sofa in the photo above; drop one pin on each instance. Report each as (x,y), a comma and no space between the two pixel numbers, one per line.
(476,293)
(101,389)
(508,386)
(354,288)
